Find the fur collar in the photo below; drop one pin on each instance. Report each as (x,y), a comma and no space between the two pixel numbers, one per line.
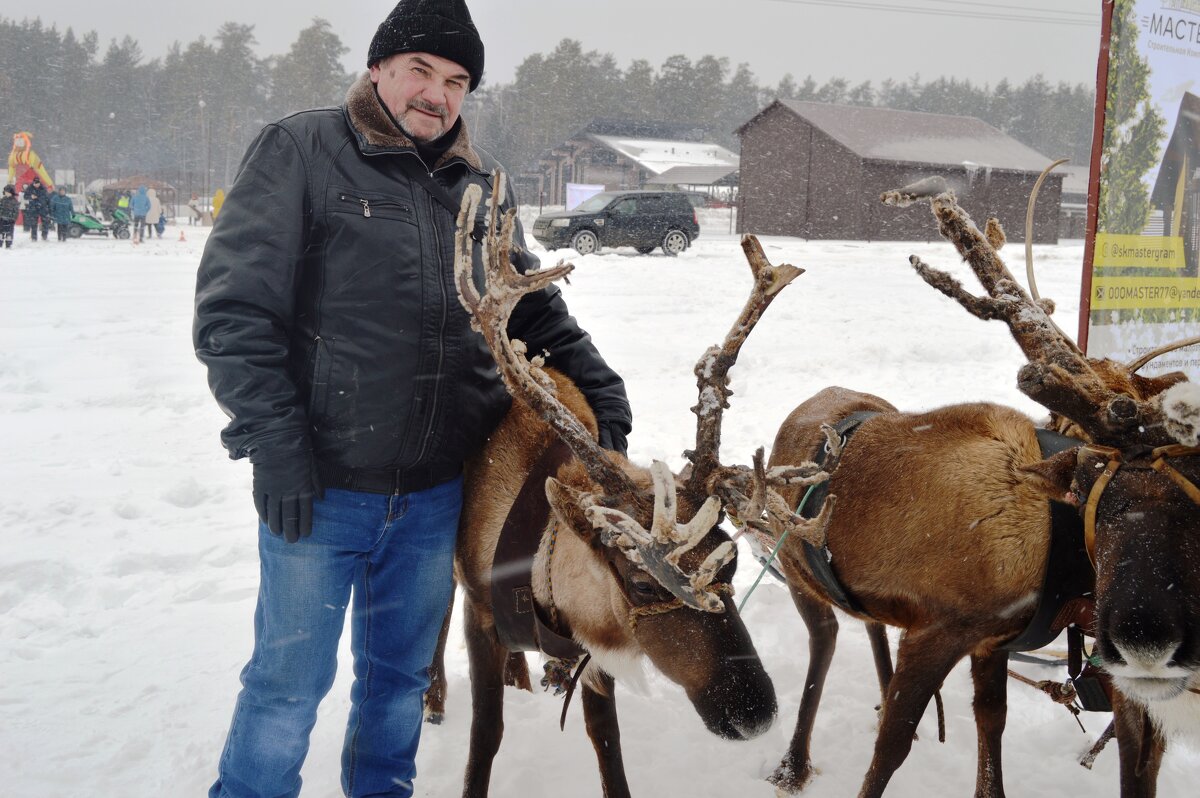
(375,130)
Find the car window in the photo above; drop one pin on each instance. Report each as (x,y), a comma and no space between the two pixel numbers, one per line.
(626,207)
(596,203)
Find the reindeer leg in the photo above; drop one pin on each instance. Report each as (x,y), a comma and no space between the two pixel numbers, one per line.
(1132,736)
(796,769)
(990,675)
(877,634)
(922,663)
(600,717)
(435,696)
(487,659)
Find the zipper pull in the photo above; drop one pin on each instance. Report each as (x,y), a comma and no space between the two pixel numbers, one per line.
(366,208)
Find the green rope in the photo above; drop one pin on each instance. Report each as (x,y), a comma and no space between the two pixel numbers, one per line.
(775,551)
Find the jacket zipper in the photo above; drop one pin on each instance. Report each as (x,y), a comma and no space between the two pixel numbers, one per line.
(437,381)
(366,204)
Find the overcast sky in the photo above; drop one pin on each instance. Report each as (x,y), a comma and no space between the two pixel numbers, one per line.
(983,40)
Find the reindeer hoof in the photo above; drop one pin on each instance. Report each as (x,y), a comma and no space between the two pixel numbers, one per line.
(789,780)
(434,718)
(516,672)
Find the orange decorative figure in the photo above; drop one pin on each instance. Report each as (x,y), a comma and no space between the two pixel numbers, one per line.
(24,163)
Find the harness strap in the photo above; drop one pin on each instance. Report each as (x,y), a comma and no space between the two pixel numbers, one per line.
(1186,485)
(519,622)
(820,560)
(636,613)
(1115,461)
(1093,500)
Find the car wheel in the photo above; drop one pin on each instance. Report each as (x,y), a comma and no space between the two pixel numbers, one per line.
(674,242)
(644,250)
(585,242)
(74,230)
(121,232)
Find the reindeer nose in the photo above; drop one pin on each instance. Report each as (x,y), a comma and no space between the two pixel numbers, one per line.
(740,706)
(1140,637)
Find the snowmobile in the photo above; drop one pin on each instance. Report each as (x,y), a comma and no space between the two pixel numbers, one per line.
(88,224)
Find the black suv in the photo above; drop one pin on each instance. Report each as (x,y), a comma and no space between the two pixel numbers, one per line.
(640,219)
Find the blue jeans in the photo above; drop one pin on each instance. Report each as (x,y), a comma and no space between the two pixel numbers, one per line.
(397,552)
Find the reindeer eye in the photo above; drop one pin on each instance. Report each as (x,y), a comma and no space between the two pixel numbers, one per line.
(643,586)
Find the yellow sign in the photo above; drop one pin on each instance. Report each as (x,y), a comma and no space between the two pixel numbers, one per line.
(217,201)
(1130,293)
(1139,252)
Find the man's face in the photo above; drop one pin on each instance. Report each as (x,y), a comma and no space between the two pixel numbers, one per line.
(423,91)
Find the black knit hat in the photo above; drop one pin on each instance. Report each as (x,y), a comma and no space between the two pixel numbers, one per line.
(440,27)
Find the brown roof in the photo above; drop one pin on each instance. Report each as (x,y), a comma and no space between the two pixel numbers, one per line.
(883,134)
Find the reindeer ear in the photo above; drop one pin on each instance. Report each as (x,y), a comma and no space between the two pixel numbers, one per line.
(567,505)
(1153,386)
(1054,476)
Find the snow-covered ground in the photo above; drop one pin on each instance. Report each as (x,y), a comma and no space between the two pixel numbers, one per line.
(127,558)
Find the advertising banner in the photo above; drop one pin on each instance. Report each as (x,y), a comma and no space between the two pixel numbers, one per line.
(1141,286)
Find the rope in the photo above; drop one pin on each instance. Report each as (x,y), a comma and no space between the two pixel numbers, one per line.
(1059,693)
(767,565)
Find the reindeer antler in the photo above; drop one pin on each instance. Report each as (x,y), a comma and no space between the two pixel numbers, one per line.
(712,370)
(490,312)
(661,550)
(1058,375)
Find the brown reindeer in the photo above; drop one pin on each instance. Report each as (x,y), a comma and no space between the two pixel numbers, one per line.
(618,569)
(942,526)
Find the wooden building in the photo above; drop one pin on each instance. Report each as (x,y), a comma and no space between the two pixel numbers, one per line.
(628,154)
(816,170)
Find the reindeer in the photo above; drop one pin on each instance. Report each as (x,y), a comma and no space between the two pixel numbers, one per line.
(616,568)
(942,528)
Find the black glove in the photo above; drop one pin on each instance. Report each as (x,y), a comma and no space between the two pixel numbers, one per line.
(612,438)
(283,495)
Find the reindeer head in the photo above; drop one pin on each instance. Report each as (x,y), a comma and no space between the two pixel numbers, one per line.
(1141,509)
(1135,482)
(654,536)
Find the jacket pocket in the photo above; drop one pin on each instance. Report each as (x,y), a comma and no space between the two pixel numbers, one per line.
(320,363)
(371,206)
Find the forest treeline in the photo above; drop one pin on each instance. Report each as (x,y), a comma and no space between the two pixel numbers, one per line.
(108,111)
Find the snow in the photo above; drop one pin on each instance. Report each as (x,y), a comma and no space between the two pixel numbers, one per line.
(128,570)
(659,155)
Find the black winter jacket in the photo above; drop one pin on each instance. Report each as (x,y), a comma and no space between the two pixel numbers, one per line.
(37,201)
(10,208)
(326,310)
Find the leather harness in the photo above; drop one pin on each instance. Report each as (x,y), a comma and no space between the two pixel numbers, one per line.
(820,560)
(1116,458)
(520,624)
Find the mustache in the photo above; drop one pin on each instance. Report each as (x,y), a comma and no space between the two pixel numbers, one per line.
(428,108)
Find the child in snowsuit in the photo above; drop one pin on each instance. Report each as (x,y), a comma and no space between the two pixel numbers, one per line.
(61,209)
(10,208)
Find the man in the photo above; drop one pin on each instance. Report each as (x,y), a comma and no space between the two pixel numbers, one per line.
(61,210)
(37,209)
(327,316)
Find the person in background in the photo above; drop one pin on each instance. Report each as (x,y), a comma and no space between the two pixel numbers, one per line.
(193,210)
(335,342)
(123,203)
(61,210)
(139,206)
(37,209)
(154,214)
(10,209)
